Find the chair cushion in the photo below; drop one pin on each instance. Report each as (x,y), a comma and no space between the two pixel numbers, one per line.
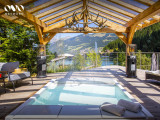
(19,76)
(10,66)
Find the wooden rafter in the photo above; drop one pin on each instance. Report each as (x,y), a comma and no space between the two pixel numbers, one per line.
(62,17)
(25,2)
(66,30)
(140,26)
(44,5)
(14,19)
(109,13)
(11,19)
(121,36)
(146,2)
(58,8)
(58,25)
(146,14)
(107,16)
(26,15)
(62,13)
(109,6)
(114,26)
(126,5)
(156,17)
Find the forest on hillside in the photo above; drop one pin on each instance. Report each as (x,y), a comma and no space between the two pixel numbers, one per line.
(147,40)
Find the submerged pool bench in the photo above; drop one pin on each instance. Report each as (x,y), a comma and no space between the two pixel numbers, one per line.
(7,70)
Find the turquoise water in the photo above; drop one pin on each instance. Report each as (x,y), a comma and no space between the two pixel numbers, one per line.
(105,61)
(80,94)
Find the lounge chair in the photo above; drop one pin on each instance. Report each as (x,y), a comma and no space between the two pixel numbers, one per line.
(155,75)
(8,71)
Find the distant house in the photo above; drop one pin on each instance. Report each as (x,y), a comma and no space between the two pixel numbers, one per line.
(66,55)
(62,57)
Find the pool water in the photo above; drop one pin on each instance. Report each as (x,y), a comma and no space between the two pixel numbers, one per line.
(79,94)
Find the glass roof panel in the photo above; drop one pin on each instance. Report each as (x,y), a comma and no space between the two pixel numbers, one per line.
(51,7)
(135,3)
(63,15)
(108,19)
(110,16)
(36,3)
(154,0)
(118,6)
(59,11)
(61,20)
(112,11)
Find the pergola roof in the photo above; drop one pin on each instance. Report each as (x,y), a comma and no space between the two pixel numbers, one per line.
(123,16)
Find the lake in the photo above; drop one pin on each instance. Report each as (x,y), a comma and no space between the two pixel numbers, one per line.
(106,60)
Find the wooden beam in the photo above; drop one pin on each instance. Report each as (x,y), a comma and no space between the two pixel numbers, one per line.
(121,36)
(14,19)
(156,17)
(25,2)
(11,19)
(146,2)
(32,19)
(114,26)
(146,14)
(5,2)
(44,5)
(147,24)
(107,16)
(126,5)
(85,17)
(1,11)
(25,15)
(131,34)
(58,25)
(62,17)
(66,30)
(39,33)
(147,21)
(109,6)
(49,37)
(68,4)
(62,13)
(108,12)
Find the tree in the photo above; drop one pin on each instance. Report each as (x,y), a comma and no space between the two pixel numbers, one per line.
(78,62)
(93,59)
(17,44)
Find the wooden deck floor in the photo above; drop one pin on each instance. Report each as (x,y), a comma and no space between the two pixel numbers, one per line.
(146,92)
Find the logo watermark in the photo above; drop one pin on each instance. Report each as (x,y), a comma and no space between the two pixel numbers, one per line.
(13,10)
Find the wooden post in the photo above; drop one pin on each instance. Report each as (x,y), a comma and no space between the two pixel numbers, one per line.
(127,53)
(85,17)
(130,35)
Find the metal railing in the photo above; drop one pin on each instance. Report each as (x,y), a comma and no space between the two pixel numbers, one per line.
(113,58)
(141,57)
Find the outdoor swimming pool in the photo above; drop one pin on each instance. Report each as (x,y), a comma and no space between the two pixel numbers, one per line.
(79,94)
(76,98)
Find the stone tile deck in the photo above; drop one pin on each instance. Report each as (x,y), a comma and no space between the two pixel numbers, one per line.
(146,92)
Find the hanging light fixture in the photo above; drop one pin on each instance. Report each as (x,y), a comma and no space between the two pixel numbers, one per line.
(75,23)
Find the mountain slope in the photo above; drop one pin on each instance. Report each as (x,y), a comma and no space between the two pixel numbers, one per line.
(84,42)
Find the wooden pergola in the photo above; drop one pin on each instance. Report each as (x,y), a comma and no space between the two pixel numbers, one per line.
(124,17)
